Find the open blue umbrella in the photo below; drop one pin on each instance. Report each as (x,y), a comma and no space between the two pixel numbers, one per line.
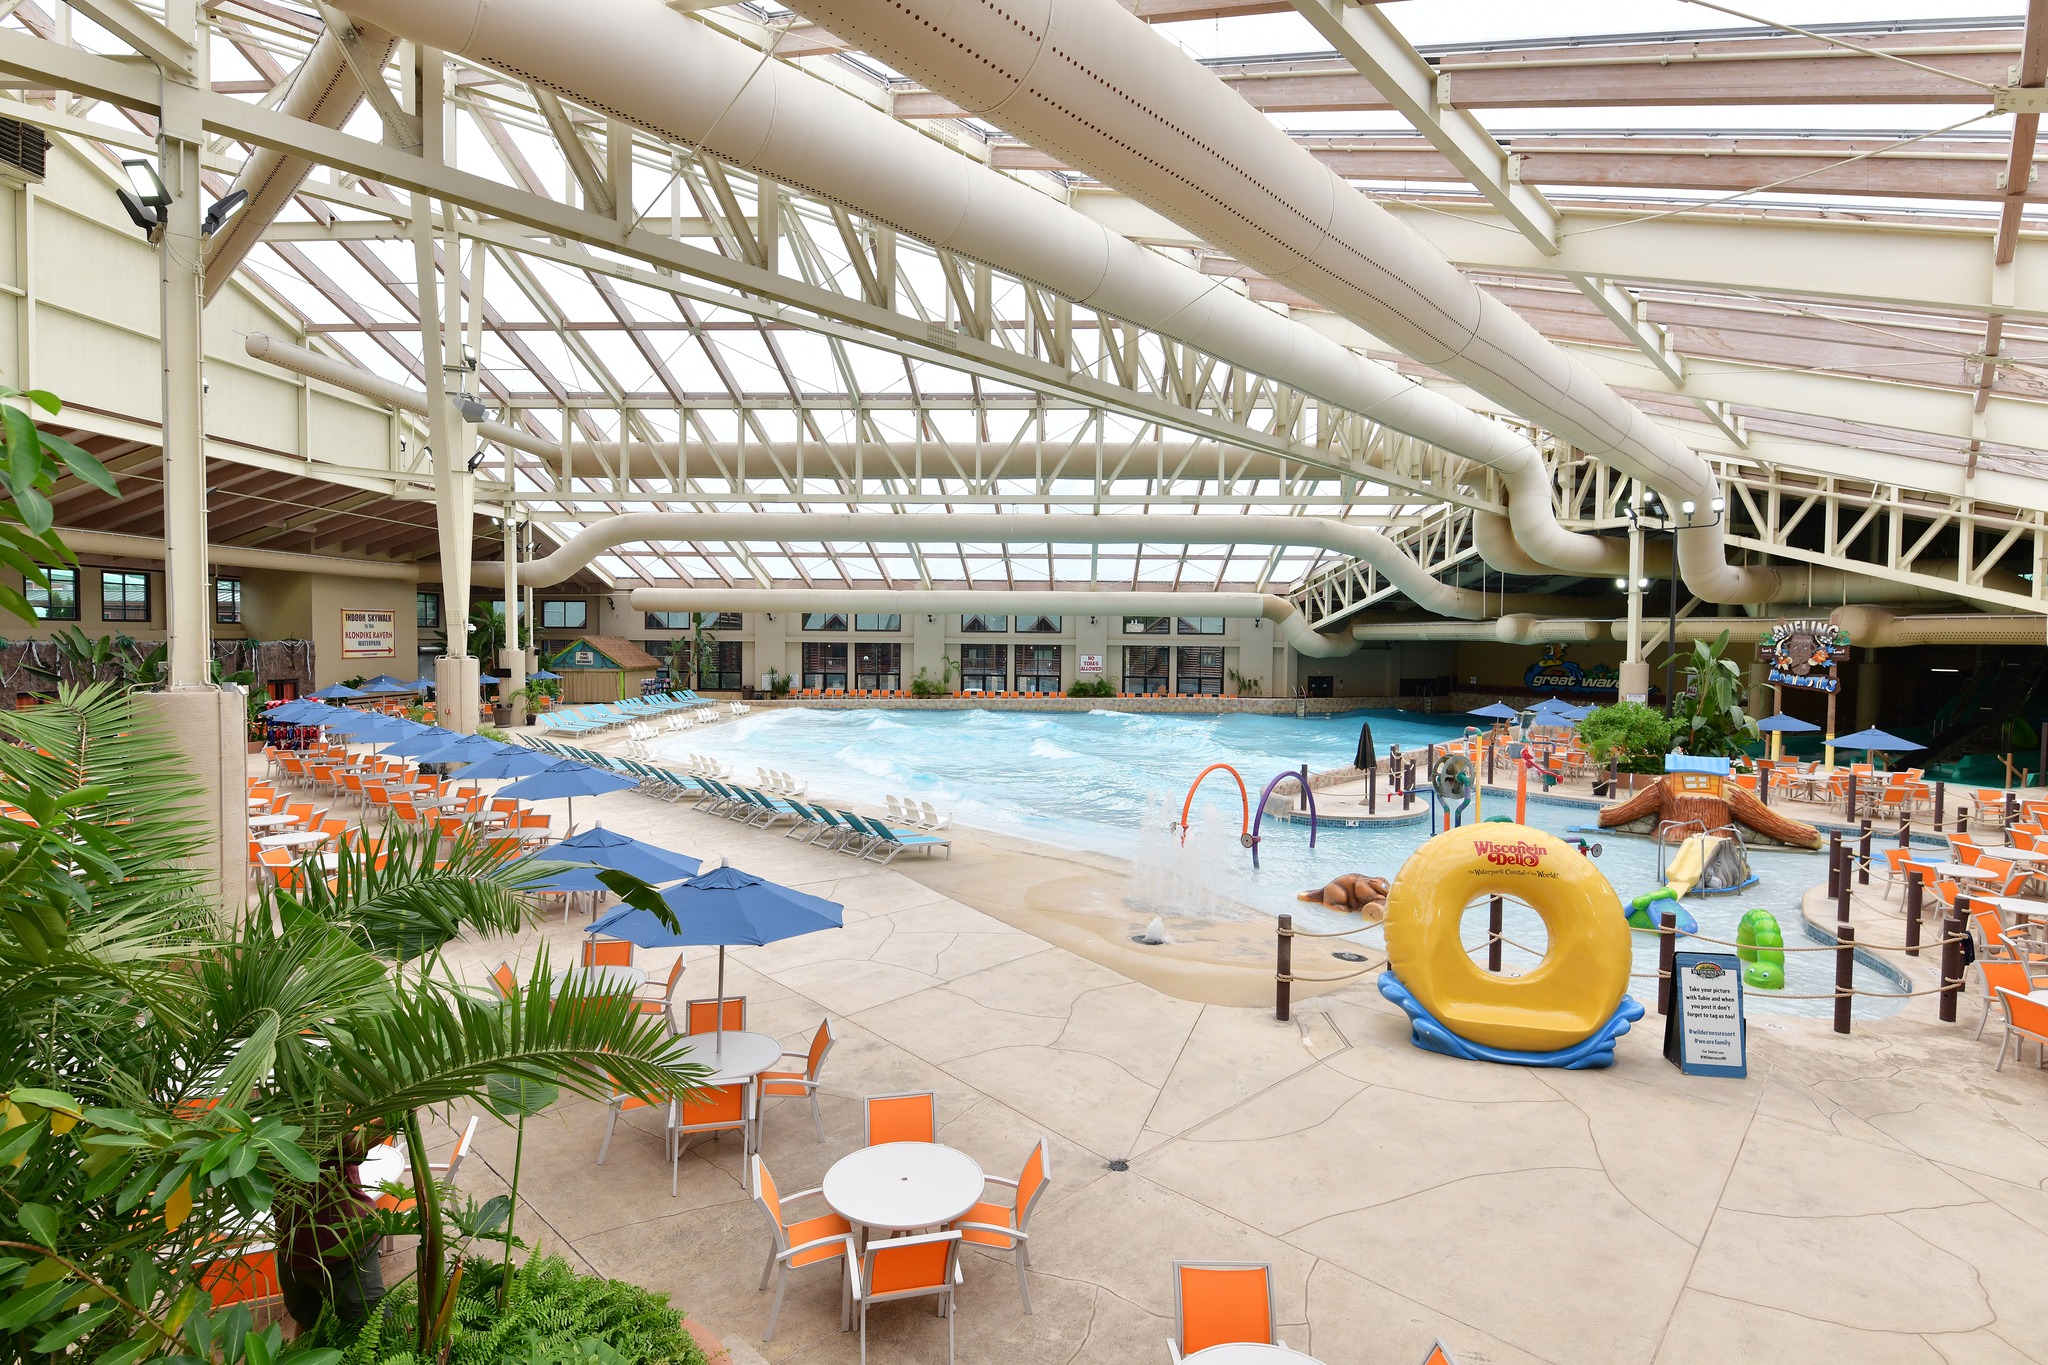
(720,907)
(424,741)
(1790,725)
(301,712)
(463,749)
(339,692)
(1874,741)
(423,684)
(603,847)
(544,675)
(567,779)
(386,687)
(1497,711)
(486,680)
(512,761)
(374,729)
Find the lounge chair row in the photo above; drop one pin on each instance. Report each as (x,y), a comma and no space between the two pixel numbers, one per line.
(597,717)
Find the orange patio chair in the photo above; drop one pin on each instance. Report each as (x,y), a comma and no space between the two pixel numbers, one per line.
(899,1118)
(1218,1303)
(624,1103)
(660,1004)
(503,978)
(243,1275)
(702,1016)
(607,952)
(1998,974)
(925,1266)
(795,1245)
(717,1110)
(1006,1227)
(2026,1018)
(443,1172)
(802,1084)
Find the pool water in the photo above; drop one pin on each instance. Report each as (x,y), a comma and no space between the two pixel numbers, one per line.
(1113,782)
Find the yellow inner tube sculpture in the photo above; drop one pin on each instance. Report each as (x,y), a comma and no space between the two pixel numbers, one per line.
(1567,998)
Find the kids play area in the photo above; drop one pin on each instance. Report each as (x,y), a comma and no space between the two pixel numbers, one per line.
(1229,682)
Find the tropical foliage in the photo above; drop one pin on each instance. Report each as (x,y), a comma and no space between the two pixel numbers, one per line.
(172,1083)
(1707,717)
(549,1315)
(34,460)
(1638,735)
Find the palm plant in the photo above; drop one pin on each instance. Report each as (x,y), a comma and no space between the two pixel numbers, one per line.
(1708,716)
(170,1081)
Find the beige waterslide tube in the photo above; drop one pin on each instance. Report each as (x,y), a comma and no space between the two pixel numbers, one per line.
(1091,84)
(236,557)
(644,63)
(324,91)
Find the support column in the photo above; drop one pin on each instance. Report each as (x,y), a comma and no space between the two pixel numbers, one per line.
(448,436)
(205,724)
(1869,689)
(1635,671)
(513,658)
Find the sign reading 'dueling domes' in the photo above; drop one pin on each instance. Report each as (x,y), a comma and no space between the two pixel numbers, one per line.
(1805,654)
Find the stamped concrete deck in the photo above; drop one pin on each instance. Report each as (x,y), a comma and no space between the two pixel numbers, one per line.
(1881,1197)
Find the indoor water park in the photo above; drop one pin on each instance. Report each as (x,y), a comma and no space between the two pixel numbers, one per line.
(1220,682)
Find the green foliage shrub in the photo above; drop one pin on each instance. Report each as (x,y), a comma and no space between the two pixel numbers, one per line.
(1099,687)
(1639,734)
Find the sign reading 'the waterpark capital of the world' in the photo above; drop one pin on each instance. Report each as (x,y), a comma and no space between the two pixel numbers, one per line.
(1703,1034)
(1805,654)
(369,634)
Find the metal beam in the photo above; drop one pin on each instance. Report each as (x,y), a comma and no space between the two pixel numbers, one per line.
(401,127)
(1367,39)
(1632,317)
(144,32)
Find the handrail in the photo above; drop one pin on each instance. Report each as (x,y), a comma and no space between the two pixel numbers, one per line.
(1252,840)
(1246,830)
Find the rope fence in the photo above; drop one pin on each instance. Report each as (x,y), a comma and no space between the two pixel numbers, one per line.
(1949,943)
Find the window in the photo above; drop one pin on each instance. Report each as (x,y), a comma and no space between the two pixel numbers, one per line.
(893,621)
(59,601)
(827,620)
(427,608)
(1146,625)
(124,596)
(1038,668)
(878,666)
(1145,668)
(227,601)
(1198,671)
(682,620)
(564,613)
(824,664)
(1198,625)
(724,673)
(1038,625)
(984,622)
(984,668)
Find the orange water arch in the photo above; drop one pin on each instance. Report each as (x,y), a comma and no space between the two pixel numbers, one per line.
(1244,797)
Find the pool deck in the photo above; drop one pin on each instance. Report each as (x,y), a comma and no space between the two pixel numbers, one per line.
(1878,1197)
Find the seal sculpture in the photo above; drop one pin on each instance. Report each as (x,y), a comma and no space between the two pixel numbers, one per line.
(1352,891)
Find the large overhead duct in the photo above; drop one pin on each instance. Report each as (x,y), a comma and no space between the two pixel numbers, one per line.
(324,91)
(236,557)
(1021,528)
(1289,626)
(611,531)
(1519,628)
(646,64)
(1087,82)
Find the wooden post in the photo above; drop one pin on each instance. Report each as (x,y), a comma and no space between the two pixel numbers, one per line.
(1863,855)
(1372,788)
(2012,809)
(1846,887)
(1493,930)
(1849,800)
(1940,795)
(1914,893)
(1906,831)
(1408,784)
(1300,797)
(1951,962)
(1834,863)
(1283,988)
(1845,975)
(1667,962)
(1430,767)
(1489,761)
(1962,818)
(1764,770)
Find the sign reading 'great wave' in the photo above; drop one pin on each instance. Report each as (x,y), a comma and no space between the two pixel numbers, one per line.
(1555,673)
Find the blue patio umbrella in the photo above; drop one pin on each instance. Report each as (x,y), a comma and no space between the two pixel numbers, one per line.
(382,686)
(1497,711)
(375,729)
(300,712)
(721,907)
(511,761)
(603,847)
(423,684)
(544,675)
(1790,725)
(424,741)
(486,680)
(339,692)
(463,749)
(567,779)
(1874,741)
(569,877)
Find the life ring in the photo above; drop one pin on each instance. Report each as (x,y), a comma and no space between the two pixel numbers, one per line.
(1567,998)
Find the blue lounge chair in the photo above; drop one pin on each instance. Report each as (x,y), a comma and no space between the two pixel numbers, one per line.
(890,842)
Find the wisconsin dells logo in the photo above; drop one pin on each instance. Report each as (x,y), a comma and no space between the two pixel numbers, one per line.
(1517,854)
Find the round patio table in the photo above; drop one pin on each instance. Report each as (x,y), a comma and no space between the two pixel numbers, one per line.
(1962,872)
(1246,1353)
(304,839)
(603,978)
(903,1186)
(733,1056)
(272,821)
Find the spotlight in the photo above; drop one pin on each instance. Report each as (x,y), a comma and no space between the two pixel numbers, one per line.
(1621,582)
(223,209)
(1718,505)
(472,411)
(475,460)
(148,186)
(1686,507)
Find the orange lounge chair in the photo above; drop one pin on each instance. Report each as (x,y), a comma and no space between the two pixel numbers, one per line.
(1006,1227)
(802,1084)
(795,1245)
(899,1118)
(1218,1303)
